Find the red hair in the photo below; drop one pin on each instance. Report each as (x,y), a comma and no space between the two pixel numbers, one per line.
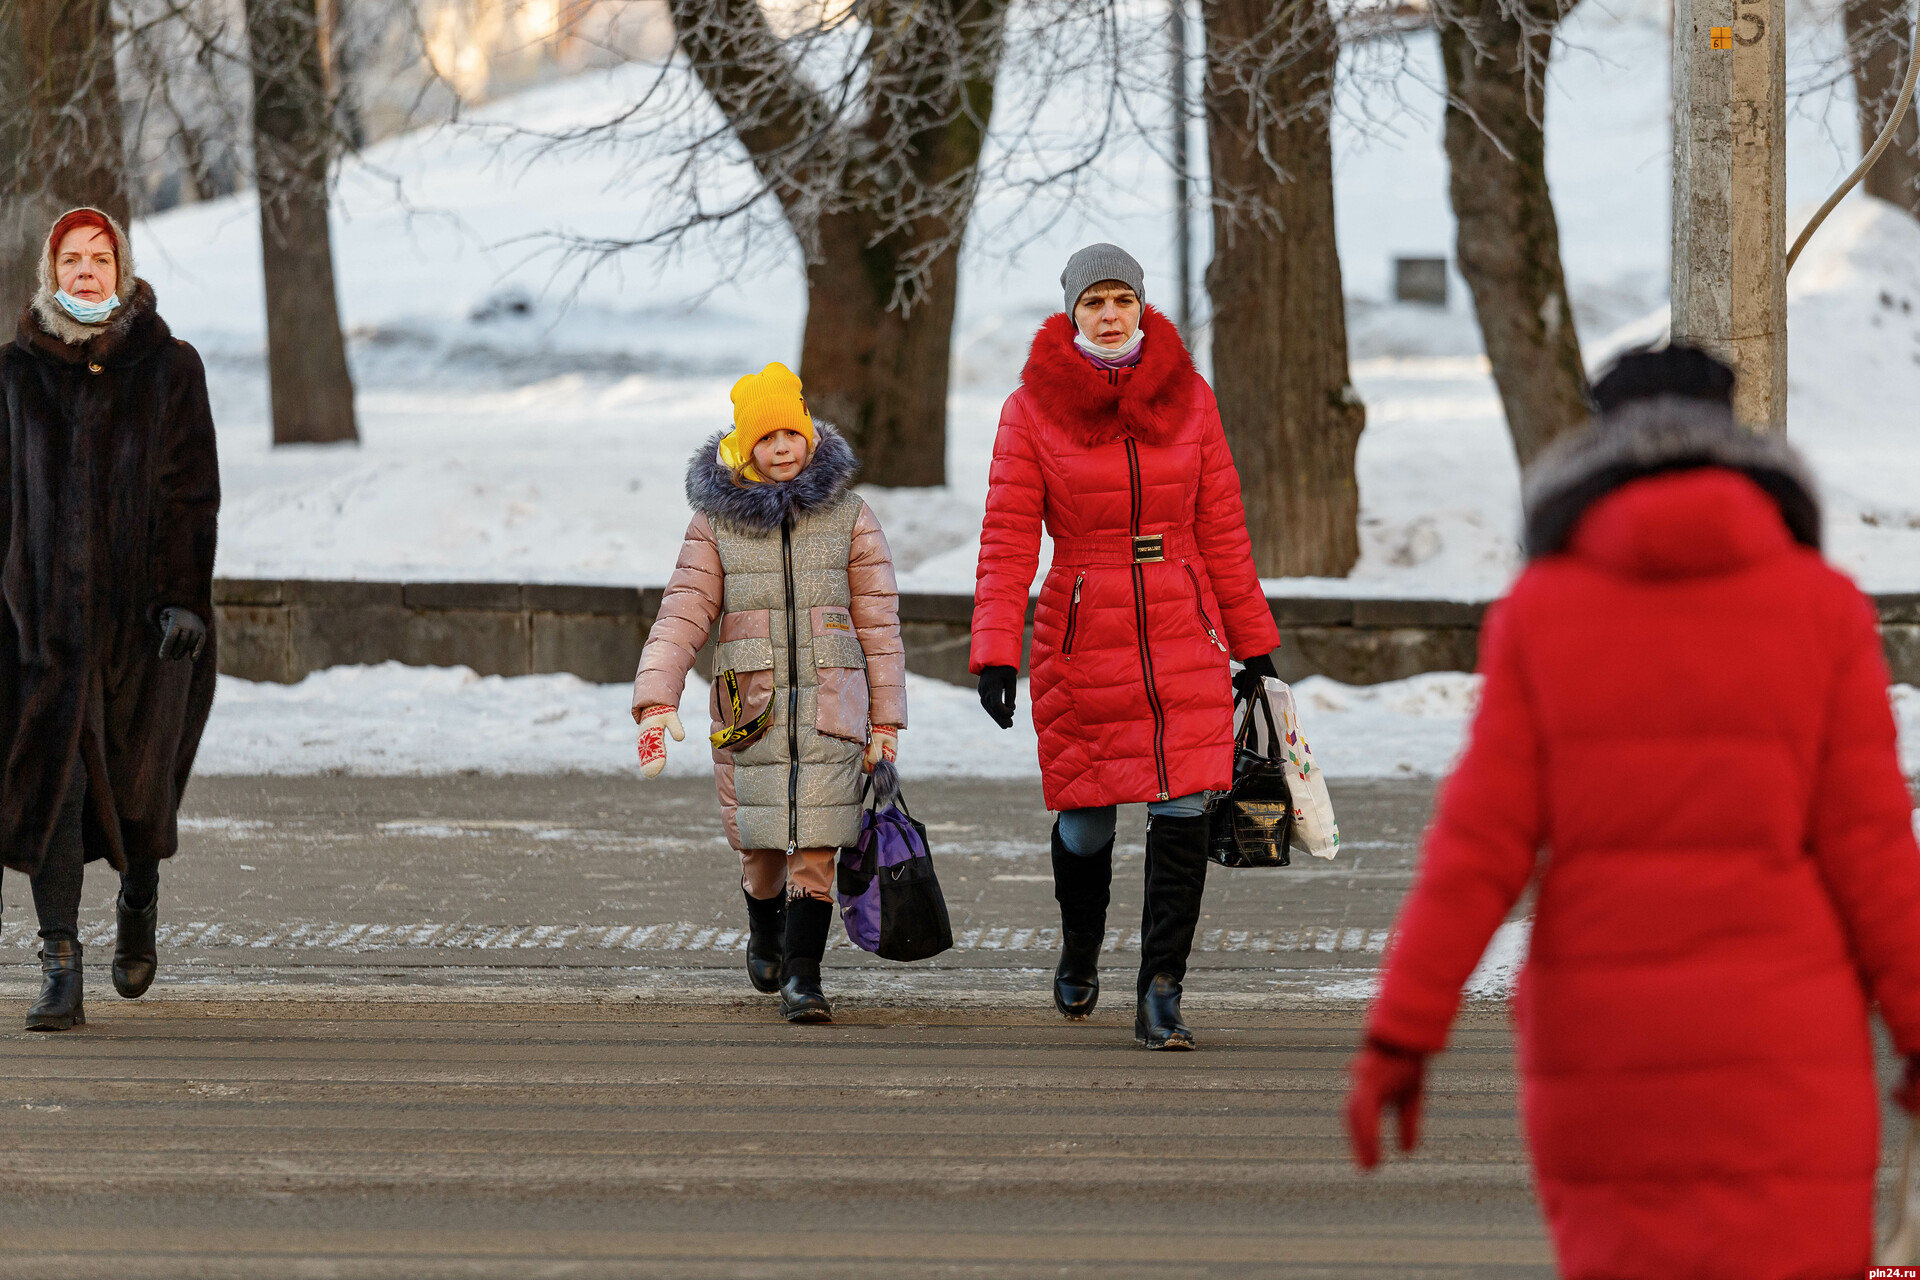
(82,218)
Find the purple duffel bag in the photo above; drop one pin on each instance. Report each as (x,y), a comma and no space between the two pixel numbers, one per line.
(890,900)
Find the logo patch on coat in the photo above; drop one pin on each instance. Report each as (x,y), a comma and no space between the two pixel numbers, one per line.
(831,621)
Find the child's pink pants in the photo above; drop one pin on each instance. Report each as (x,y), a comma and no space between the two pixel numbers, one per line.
(806,873)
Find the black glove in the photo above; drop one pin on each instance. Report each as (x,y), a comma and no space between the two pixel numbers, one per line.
(996,693)
(1246,681)
(182,633)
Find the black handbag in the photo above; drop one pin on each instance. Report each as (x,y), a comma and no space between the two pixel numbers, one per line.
(1250,825)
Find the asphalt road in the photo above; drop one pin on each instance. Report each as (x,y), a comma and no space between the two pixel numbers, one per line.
(498,1027)
(569,880)
(327,1139)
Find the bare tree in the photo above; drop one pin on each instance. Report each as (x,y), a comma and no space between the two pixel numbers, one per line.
(185,85)
(60,126)
(19,211)
(1286,399)
(293,145)
(1508,240)
(876,176)
(1879,43)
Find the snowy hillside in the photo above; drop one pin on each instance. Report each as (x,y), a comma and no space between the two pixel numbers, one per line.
(507,436)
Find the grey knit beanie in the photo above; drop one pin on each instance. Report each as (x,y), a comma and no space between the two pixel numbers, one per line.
(1099,262)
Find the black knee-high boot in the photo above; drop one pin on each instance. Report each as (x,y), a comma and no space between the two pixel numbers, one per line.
(1082,885)
(801,999)
(766,939)
(1176,878)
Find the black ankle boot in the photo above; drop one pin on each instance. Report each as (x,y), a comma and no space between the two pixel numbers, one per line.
(1156,1019)
(801,999)
(60,1005)
(1176,878)
(1082,884)
(766,939)
(136,955)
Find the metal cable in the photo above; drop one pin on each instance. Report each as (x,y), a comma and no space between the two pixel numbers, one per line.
(1873,154)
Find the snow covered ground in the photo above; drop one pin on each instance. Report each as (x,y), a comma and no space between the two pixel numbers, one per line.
(399,720)
(506,436)
(394,719)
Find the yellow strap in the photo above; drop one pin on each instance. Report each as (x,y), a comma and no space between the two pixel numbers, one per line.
(739,734)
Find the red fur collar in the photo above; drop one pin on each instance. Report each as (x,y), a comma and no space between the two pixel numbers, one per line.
(1150,405)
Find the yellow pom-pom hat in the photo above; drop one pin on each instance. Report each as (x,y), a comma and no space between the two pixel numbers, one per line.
(763,403)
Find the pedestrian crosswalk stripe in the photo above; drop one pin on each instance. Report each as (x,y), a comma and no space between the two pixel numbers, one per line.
(683,936)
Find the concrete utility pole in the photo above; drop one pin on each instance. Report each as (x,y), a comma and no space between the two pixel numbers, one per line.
(1730,194)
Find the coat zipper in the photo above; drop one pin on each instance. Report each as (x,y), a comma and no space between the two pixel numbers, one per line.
(1200,606)
(793,693)
(1140,629)
(1073,617)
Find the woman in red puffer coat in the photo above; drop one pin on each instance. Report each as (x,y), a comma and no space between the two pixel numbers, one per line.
(1688,709)
(1113,442)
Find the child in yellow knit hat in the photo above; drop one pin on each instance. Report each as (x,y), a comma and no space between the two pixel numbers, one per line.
(769,417)
(809,689)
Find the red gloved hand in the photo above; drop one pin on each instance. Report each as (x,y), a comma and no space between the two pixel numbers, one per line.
(1907,1096)
(1383,1076)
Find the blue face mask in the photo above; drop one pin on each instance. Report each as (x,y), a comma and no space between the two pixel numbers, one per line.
(87,312)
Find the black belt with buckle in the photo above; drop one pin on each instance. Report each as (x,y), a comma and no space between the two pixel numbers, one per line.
(1150,549)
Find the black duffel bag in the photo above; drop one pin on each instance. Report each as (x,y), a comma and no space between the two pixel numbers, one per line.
(1250,825)
(890,900)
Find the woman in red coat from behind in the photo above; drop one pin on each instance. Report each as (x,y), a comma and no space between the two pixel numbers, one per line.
(1113,442)
(1684,743)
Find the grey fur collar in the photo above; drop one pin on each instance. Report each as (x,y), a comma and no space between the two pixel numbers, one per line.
(54,318)
(130,334)
(1649,437)
(766,506)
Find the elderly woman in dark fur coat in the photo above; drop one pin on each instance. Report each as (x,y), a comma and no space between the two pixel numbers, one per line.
(106,642)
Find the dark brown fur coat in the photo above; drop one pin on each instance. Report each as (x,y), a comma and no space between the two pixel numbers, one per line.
(110,510)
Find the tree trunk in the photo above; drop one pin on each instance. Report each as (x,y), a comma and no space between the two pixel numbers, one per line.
(879,207)
(1879,42)
(63,143)
(312,390)
(879,372)
(21,204)
(1292,417)
(1508,242)
(878,349)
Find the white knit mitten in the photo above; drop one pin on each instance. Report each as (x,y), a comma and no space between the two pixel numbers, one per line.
(655,724)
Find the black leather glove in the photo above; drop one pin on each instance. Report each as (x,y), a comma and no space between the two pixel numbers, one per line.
(182,633)
(1246,681)
(997,693)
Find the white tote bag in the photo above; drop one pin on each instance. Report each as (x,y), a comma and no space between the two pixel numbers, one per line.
(1315,830)
(1902,1248)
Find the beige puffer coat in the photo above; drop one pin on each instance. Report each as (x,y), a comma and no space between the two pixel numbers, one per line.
(800,579)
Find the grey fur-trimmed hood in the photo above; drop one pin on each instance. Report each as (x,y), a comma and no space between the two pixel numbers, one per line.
(1652,437)
(766,505)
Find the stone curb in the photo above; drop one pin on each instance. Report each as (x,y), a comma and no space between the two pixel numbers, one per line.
(282,630)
